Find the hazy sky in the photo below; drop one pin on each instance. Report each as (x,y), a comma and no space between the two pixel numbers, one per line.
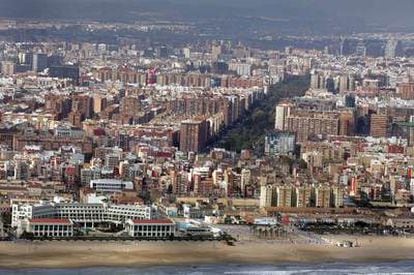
(394,13)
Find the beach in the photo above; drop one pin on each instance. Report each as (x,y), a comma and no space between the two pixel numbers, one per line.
(70,254)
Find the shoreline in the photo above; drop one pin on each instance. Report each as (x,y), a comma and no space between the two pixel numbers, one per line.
(202,265)
(70,255)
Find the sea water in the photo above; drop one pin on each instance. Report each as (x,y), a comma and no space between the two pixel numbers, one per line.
(400,267)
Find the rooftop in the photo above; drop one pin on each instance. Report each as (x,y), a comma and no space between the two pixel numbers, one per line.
(50,221)
(153,221)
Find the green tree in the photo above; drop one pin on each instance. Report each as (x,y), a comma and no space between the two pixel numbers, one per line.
(249,134)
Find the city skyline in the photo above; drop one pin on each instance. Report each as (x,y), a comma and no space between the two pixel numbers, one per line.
(326,16)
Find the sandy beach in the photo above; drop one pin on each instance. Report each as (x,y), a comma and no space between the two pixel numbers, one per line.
(64,254)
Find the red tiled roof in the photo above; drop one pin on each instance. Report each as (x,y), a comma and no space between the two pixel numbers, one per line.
(154,221)
(50,220)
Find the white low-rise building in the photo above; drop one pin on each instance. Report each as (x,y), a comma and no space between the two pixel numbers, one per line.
(150,228)
(122,213)
(85,214)
(110,185)
(48,227)
(28,211)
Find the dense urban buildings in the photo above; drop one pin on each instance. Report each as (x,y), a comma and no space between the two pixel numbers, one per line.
(129,138)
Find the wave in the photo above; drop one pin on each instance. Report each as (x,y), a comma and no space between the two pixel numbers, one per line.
(400,267)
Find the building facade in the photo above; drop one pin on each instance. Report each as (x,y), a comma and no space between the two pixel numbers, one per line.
(150,228)
(49,227)
(85,214)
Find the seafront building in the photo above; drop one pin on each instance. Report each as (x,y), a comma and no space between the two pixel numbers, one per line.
(49,227)
(83,214)
(150,228)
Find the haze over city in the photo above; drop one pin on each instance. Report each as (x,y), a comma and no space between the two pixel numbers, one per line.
(306,15)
